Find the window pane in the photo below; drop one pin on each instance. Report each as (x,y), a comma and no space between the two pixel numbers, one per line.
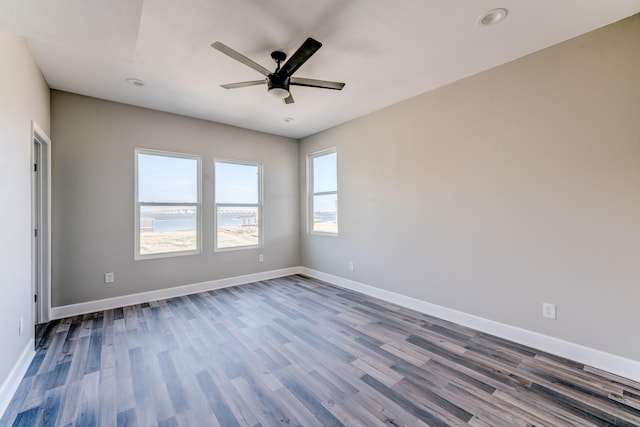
(167,229)
(237,226)
(236,183)
(163,179)
(325,173)
(325,213)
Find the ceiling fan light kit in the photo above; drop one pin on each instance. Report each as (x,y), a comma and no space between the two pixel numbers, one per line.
(278,92)
(279,81)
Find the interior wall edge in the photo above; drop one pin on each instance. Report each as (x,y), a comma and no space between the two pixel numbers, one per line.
(591,357)
(13,380)
(176,291)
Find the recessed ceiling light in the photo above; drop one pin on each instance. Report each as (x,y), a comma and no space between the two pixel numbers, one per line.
(288,119)
(491,17)
(134,82)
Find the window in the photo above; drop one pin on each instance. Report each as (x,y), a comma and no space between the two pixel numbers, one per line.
(323,192)
(167,191)
(238,205)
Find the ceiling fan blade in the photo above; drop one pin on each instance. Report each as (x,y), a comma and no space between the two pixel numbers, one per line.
(244,84)
(288,99)
(300,81)
(240,58)
(300,56)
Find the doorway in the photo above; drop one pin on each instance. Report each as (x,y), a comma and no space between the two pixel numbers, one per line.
(41,225)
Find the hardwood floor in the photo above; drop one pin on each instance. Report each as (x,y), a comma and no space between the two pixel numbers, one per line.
(297,351)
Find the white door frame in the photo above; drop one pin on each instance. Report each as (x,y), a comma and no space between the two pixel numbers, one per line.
(41,224)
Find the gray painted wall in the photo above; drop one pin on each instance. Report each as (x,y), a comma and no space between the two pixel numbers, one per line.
(514,187)
(24,96)
(93,192)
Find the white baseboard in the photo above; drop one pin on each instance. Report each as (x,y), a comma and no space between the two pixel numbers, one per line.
(595,358)
(10,385)
(589,356)
(125,300)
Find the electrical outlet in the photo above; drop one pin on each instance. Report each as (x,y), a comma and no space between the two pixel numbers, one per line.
(20,326)
(109,277)
(351,265)
(261,258)
(548,310)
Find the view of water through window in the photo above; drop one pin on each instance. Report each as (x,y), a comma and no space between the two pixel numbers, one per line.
(172,180)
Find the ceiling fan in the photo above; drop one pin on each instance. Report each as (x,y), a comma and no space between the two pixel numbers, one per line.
(279,81)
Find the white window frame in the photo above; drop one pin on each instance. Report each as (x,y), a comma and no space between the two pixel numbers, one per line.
(138,205)
(258,205)
(311,194)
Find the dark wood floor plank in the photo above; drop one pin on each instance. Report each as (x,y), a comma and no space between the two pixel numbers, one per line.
(26,418)
(297,413)
(88,409)
(173,382)
(245,404)
(216,400)
(51,408)
(108,385)
(530,403)
(17,403)
(79,358)
(309,400)
(407,404)
(295,351)
(126,418)
(385,410)
(265,401)
(438,406)
(584,393)
(69,403)
(407,353)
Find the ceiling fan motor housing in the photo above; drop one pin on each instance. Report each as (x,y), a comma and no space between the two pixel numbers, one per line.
(277,84)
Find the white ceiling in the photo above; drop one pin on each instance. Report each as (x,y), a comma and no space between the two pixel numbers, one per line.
(386,51)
